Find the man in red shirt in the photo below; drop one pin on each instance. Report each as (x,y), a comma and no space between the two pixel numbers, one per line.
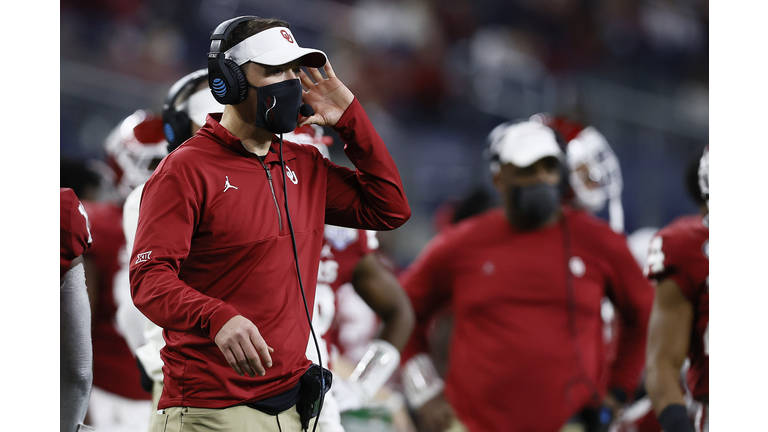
(525,283)
(678,262)
(76,351)
(219,262)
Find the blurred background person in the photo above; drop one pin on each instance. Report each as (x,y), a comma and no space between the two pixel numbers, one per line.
(639,417)
(678,262)
(593,183)
(347,257)
(187,103)
(76,357)
(495,271)
(135,146)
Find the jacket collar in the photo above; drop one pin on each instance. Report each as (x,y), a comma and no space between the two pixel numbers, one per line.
(219,134)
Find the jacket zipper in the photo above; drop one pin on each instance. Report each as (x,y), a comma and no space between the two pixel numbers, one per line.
(274,197)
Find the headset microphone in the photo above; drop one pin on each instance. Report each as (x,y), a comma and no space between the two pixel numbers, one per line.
(306,110)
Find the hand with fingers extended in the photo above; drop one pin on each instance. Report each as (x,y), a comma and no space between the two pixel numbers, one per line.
(329,97)
(243,347)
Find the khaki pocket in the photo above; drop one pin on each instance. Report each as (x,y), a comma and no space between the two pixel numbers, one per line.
(203,420)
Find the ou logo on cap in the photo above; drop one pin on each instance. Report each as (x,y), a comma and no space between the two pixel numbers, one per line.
(286,35)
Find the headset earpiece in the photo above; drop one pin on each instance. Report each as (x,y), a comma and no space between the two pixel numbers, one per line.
(177,126)
(225,78)
(227,81)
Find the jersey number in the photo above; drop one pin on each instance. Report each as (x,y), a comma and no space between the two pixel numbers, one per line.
(655,262)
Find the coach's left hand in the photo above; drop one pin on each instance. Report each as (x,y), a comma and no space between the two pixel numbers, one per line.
(329,97)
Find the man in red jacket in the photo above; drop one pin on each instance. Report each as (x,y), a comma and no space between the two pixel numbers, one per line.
(525,284)
(231,227)
(678,263)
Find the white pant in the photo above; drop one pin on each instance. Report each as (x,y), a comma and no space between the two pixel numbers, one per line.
(330,419)
(109,412)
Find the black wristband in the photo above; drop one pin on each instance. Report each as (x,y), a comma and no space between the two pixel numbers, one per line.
(674,418)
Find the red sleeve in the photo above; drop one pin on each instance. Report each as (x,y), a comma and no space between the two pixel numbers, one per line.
(428,287)
(666,260)
(169,213)
(372,196)
(632,295)
(74,229)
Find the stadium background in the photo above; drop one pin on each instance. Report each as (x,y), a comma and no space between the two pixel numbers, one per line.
(435,77)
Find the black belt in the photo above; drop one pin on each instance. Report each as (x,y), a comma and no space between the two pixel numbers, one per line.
(278,403)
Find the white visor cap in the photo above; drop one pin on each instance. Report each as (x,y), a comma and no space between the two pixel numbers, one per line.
(274,47)
(200,104)
(522,144)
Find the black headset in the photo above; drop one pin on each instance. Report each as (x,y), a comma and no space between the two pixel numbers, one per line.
(177,125)
(225,78)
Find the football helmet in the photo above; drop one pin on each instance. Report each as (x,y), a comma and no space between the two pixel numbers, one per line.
(311,134)
(704,175)
(595,174)
(134,148)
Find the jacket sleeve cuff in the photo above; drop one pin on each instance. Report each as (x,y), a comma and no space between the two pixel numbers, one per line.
(219,318)
(344,122)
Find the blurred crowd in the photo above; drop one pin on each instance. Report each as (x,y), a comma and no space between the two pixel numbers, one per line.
(434,77)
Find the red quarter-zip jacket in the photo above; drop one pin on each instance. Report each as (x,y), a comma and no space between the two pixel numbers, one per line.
(213,242)
(522,357)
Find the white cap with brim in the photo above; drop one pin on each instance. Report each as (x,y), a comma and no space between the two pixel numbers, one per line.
(522,144)
(274,47)
(199,105)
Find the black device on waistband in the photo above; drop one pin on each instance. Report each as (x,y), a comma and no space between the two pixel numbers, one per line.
(315,383)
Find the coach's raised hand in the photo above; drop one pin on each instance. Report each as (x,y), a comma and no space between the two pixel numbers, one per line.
(329,97)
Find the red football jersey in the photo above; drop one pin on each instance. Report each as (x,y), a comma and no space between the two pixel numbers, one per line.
(342,250)
(680,251)
(114,367)
(75,230)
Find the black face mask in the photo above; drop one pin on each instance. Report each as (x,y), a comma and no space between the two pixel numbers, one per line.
(533,205)
(277,106)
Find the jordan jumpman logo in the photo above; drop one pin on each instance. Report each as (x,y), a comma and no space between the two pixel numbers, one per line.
(227,186)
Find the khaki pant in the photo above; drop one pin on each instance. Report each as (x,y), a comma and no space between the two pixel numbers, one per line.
(456,426)
(157,391)
(233,419)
